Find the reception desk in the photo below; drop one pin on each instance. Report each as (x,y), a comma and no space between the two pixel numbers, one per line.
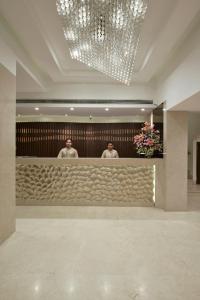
(90,181)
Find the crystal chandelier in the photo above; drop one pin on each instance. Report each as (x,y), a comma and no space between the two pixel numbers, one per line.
(104,34)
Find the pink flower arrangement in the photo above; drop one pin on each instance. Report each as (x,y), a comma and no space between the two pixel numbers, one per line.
(148,140)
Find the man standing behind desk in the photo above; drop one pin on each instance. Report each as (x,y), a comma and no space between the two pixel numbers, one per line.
(68,151)
(110,152)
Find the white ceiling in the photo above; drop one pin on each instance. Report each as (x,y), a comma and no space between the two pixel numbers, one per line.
(33,30)
(37,30)
(80,111)
(192,104)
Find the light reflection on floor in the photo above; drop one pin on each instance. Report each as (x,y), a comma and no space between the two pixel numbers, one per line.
(95,253)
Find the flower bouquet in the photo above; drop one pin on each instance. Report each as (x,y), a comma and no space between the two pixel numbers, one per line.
(148,140)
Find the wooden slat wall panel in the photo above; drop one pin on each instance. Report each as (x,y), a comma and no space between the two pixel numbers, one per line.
(46,139)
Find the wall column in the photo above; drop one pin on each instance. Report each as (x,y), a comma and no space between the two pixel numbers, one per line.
(7,152)
(176,160)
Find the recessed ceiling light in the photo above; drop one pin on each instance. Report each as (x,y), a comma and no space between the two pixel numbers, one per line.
(36,108)
(106,109)
(71,108)
(164,109)
(66,115)
(142,109)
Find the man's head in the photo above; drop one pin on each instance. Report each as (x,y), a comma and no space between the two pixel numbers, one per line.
(68,143)
(110,146)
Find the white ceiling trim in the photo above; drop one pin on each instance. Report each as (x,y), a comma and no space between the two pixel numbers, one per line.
(38,23)
(94,91)
(33,11)
(21,54)
(172,33)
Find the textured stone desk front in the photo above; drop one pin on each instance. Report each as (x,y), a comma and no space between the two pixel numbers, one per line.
(111,182)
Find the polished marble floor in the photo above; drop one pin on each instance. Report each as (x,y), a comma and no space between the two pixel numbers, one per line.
(96,253)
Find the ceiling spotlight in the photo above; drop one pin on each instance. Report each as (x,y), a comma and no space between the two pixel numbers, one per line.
(90,117)
(164,109)
(71,108)
(36,108)
(142,109)
(106,109)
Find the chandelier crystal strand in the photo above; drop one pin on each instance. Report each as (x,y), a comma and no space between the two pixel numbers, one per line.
(104,34)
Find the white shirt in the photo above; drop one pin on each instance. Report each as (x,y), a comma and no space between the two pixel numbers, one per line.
(109,154)
(68,153)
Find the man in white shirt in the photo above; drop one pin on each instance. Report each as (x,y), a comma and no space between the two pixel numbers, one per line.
(110,152)
(68,151)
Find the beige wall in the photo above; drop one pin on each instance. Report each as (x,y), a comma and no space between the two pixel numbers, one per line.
(7,152)
(176,160)
(180,79)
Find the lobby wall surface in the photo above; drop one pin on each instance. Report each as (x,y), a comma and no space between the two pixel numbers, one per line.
(7,152)
(175,160)
(41,139)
